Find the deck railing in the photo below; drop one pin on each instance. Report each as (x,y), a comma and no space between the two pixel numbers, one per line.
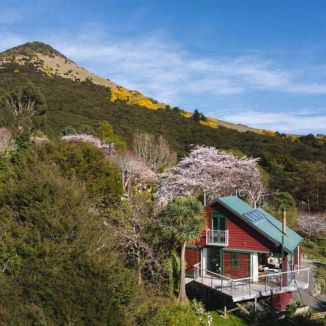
(251,287)
(217,237)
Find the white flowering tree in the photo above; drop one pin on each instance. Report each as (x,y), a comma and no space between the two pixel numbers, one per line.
(312,225)
(89,139)
(211,171)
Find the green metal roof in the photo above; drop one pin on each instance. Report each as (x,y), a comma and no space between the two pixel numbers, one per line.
(267,224)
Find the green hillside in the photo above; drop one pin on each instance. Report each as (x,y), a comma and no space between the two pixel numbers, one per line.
(294,165)
(77,247)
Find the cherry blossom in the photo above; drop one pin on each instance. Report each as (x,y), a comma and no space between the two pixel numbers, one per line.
(211,171)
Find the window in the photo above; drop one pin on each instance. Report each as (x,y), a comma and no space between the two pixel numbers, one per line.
(218,221)
(235,259)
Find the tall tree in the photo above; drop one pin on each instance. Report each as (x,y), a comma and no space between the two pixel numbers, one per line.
(312,225)
(182,221)
(156,152)
(211,171)
(27,106)
(309,185)
(283,200)
(196,115)
(280,201)
(107,135)
(134,228)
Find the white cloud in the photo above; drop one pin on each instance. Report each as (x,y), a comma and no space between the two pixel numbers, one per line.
(163,69)
(290,122)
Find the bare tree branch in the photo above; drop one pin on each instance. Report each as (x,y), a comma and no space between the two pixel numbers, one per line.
(154,151)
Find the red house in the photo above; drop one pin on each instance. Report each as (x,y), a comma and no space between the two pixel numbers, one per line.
(246,253)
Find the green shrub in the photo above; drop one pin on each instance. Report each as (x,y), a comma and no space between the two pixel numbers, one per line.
(321,278)
(107,134)
(69,130)
(153,313)
(52,271)
(88,165)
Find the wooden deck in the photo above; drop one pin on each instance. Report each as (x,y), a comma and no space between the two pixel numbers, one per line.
(248,288)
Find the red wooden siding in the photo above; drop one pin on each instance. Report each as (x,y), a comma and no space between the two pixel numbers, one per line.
(242,269)
(192,258)
(202,240)
(243,236)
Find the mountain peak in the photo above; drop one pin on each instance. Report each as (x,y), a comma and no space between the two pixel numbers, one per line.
(31,48)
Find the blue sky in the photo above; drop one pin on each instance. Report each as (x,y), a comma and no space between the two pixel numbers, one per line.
(260,63)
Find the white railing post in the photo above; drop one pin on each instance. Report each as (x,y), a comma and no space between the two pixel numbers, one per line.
(202,271)
(265,284)
(217,237)
(308,281)
(232,288)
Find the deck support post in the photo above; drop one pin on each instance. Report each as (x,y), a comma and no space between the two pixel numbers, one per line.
(255,309)
(225,310)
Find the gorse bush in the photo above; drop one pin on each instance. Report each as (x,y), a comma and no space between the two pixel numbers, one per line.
(54,269)
(106,133)
(85,163)
(58,259)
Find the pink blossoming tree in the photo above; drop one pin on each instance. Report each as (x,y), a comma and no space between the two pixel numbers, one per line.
(312,225)
(213,172)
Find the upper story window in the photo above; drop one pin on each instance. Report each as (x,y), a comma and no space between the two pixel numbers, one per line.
(218,221)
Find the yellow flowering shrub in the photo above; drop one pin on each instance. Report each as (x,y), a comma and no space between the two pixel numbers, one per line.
(119,94)
(212,120)
(145,102)
(266,132)
(133,98)
(209,124)
(47,70)
(186,114)
(295,139)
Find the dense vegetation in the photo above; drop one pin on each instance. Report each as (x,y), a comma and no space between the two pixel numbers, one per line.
(60,259)
(73,250)
(297,167)
(52,270)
